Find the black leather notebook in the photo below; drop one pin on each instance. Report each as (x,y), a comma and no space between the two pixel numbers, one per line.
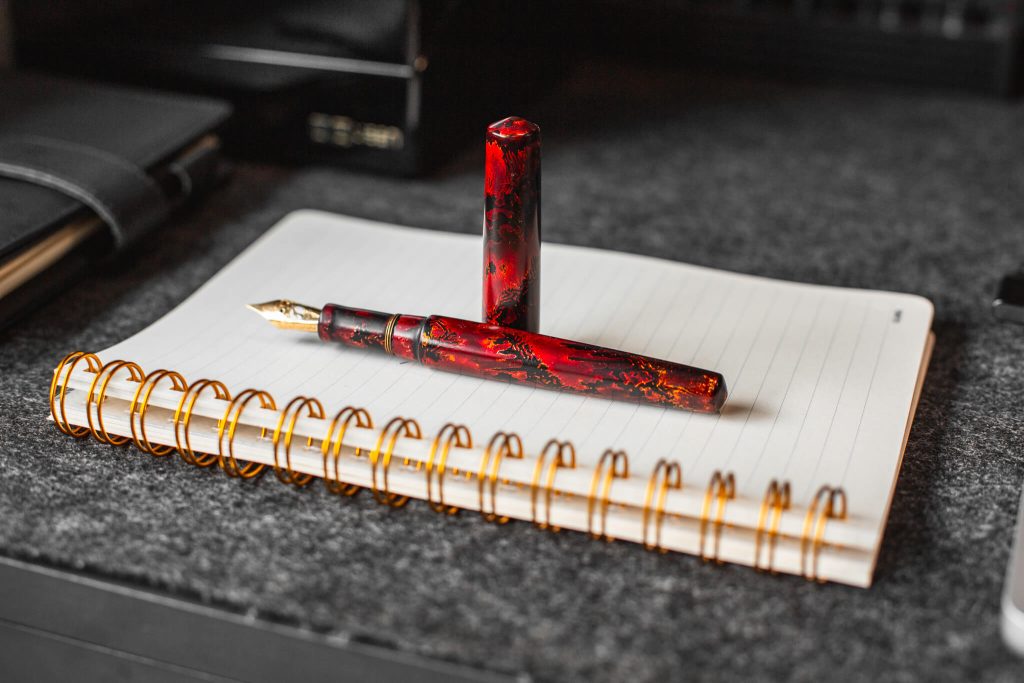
(86,170)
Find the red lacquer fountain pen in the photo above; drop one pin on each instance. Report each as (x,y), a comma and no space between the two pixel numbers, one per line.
(506,354)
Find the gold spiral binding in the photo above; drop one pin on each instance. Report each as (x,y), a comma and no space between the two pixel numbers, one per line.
(618,468)
(145,391)
(560,448)
(671,476)
(59,390)
(829,503)
(344,419)
(833,506)
(722,489)
(314,409)
(107,373)
(450,435)
(392,431)
(183,420)
(227,428)
(776,500)
(511,446)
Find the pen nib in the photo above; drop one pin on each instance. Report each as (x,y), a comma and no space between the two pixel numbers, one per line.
(288,315)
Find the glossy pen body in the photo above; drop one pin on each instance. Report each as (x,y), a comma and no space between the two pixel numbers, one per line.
(531,359)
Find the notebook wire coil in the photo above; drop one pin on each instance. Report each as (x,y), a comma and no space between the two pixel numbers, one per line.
(286,474)
(395,428)
(777,499)
(666,478)
(502,445)
(721,489)
(667,475)
(449,435)
(617,468)
(228,428)
(97,397)
(558,449)
(829,503)
(140,404)
(58,390)
(183,420)
(330,447)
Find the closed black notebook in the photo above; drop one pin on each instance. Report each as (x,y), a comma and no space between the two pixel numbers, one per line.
(86,170)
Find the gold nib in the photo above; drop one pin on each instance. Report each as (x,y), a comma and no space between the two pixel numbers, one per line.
(288,315)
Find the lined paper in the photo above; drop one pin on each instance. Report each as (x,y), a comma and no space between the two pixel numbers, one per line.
(821,379)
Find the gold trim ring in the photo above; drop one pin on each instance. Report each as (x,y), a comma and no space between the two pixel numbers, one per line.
(389,334)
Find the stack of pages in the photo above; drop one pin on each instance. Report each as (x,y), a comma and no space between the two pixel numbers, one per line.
(796,474)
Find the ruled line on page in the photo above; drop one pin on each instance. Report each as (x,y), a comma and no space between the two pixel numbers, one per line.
(710,319)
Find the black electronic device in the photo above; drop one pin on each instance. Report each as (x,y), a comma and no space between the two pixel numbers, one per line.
(391,85)
(1009,302)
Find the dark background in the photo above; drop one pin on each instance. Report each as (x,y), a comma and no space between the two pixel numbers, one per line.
(841,183)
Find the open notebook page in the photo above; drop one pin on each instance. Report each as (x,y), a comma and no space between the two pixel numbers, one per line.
(822,380)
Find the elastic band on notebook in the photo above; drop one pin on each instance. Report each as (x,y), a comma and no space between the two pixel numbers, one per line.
(118,191)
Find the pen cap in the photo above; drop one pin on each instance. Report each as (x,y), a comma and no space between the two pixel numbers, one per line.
(511,278)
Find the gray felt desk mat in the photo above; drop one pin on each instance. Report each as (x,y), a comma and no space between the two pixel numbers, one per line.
(858,186)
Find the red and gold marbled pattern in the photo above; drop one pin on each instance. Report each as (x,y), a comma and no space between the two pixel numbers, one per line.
(505,354)
(355,327)
(511,292)
(537,360)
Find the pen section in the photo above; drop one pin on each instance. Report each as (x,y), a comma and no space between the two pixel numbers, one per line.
(358,328)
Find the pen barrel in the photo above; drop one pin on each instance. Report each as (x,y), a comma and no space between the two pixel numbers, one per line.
(537,360)
(511,278)
(527,358)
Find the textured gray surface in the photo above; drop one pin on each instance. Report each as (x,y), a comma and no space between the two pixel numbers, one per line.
(872,188)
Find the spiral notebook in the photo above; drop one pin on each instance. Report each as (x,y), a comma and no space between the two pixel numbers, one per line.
(795,475)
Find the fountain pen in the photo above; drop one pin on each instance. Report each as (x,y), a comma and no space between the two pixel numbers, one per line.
(507,354)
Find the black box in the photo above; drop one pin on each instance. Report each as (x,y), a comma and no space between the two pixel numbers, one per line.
(390,85)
